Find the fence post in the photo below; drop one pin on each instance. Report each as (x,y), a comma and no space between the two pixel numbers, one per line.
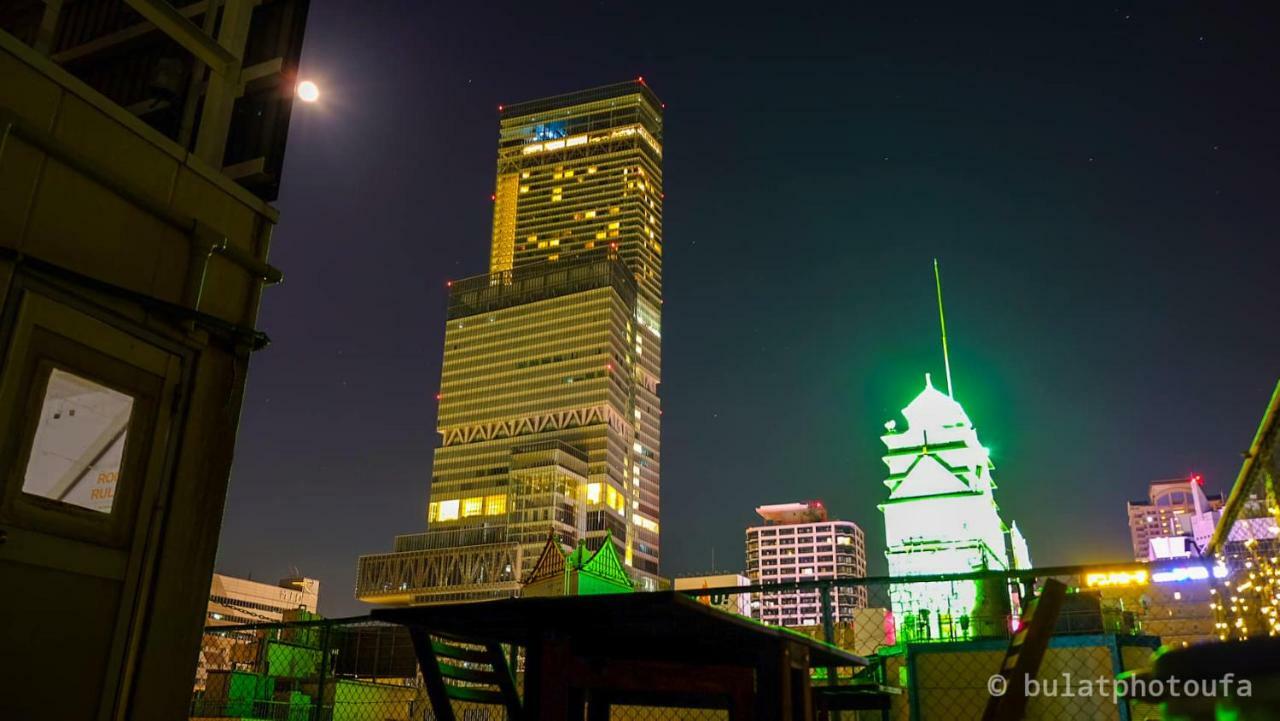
(318,707)
(828,622)
(829,634)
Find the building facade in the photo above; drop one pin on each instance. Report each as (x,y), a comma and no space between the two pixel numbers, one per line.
(797,542)
(235,600)
(142,146)
(548,404)
(739,603)
(1167,512)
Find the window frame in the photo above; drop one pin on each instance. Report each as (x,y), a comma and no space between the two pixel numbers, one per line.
(46,337)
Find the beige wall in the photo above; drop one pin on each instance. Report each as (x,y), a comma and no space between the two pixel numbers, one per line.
(240,600)
(102,222)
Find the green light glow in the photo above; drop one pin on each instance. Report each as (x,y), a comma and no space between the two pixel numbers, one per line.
(941,517)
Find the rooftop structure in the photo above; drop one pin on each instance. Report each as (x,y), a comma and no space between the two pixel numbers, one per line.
(806,512)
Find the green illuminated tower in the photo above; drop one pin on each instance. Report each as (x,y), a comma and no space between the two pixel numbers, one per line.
(941,517)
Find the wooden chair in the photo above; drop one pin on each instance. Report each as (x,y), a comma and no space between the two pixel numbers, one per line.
(458,669)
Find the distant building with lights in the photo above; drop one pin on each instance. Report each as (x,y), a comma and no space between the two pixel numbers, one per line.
(548,405)
(235,600)
(797,542)
(941,517)
(1167,513)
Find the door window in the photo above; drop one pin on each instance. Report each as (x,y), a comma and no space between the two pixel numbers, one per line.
(79,442)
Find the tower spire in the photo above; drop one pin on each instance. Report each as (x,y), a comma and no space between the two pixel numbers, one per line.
(942,320)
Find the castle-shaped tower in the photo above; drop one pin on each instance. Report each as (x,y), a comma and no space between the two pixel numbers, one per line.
(941,518)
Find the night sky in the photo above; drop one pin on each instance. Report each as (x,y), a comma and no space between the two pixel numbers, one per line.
(1097,180)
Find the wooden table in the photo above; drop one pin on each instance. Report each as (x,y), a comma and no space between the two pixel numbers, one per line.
(641,648)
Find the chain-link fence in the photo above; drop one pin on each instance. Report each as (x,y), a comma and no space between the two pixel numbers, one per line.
(338,670)
(933,644)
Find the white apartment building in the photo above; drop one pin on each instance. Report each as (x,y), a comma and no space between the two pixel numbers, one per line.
(1167,513)
(799,543)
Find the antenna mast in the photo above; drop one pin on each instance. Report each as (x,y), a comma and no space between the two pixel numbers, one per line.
(942,320)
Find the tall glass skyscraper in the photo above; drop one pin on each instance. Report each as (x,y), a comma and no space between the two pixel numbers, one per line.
(548,405)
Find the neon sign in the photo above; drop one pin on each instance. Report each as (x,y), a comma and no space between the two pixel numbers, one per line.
(1116,578)
(1187,573)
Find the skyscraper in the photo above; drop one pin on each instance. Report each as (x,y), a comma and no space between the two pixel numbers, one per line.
(548,403)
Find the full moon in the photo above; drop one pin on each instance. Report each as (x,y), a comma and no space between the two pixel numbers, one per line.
(308,92)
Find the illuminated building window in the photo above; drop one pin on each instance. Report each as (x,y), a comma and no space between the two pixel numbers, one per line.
(593,493)
(592,169)
(447,510)
(591,213)
(525,174)
(554,243)
(568,173)
(472,506)
(600,235)
(590,244)
(615,209)
(524,188)
(554,257)
(613,226)
(495,505)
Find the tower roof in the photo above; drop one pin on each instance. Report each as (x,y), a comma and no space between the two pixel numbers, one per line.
(934,409)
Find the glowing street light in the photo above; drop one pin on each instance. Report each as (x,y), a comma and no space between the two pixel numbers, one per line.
(308,92)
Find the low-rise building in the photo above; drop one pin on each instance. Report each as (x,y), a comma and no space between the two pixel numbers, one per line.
(240,600)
